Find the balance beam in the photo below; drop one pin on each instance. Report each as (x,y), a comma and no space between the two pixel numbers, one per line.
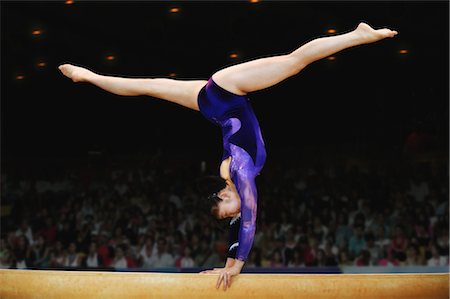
(86,284)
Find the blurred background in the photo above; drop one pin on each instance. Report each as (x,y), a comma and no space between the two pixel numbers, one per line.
(356,177)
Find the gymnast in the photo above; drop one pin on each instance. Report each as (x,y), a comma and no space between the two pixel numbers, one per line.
(222,99)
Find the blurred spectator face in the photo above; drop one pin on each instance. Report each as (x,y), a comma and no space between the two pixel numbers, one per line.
(130,252)
(48,221)
(195,239)
(149,250)
(204,245)
(290,235)
(24,225)
(72,248)
(358,231)
(343,257)
(11,238)
(277,257)
(161,245)
(92,248)
(411,253)
(341,219)
(365,257)
(119,252)
(434,251)
(398,231)
(40,241)
(22,242)
(312,242)
(187,251)
(118,232)
(320,255)
(379,232)
(317,221)
(149,243)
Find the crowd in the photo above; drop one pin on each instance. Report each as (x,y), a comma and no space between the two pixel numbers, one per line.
(147,214)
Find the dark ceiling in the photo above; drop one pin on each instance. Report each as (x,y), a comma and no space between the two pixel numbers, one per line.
(369,94)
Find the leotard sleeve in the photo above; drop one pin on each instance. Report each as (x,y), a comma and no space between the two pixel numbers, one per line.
(246,187)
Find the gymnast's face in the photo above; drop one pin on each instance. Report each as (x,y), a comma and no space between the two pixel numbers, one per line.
(230,205)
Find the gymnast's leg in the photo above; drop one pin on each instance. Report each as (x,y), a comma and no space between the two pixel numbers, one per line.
(182,92)
(265,72)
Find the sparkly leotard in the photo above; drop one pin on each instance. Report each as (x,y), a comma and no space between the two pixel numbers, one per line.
(242,140)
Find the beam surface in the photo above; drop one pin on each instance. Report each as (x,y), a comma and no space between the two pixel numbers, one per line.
(88,284)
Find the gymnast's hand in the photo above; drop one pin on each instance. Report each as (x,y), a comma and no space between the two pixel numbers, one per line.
(226,273)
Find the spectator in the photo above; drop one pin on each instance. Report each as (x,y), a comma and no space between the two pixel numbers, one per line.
(373,248)
(58,256)
(66,234)
(319,259)
(357,241)
(254,259)
(146,252)
(119,261)
(412,257)
(387,259)
(276,261)
(95,211)
(421,235)
(41,252)
(436,259)
(104,250)
(364,258)
(206,257)
(130,256)
(319,230)
(5,256)
(343,231)
(162,259)
(344,259)
(73,258)
(185,261)
(23,255)
(49,231)
(418,188)
(297,259)
(92,259)
(398,244)
(25,230)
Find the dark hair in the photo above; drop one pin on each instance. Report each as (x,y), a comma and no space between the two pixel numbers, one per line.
(209,186)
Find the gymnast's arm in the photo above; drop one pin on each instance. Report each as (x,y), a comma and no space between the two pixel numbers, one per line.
(246,187)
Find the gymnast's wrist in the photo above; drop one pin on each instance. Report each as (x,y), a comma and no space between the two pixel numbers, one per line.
(239,264)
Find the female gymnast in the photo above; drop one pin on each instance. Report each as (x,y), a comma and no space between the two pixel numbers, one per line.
(223,100)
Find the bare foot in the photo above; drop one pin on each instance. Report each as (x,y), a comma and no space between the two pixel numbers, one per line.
(369,35)
(76,73)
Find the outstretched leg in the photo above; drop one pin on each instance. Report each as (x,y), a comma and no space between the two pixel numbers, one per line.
(182,92)
(265,72)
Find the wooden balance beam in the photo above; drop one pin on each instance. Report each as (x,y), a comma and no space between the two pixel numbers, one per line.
(86,284)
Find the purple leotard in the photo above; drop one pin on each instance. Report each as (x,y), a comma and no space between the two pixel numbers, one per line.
(242,140)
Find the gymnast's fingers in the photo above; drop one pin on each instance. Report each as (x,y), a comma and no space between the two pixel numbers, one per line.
(219,281)
(225,281)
